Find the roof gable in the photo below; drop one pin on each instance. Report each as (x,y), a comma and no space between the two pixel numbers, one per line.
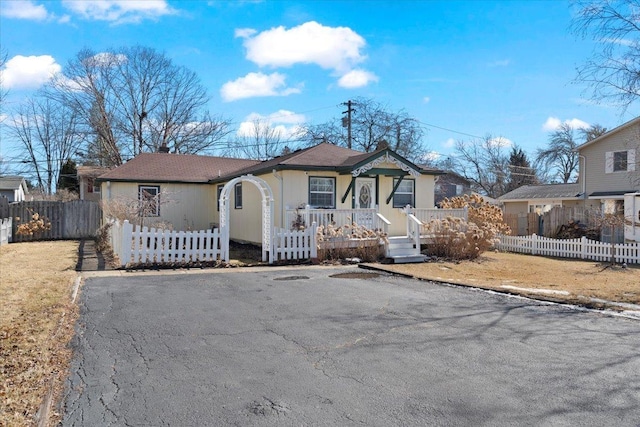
(11,182)
(606,135)
(326,156)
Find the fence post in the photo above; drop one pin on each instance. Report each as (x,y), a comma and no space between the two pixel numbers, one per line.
(127,235)
(314,241)
(307,214)
(583,243)
(534,244)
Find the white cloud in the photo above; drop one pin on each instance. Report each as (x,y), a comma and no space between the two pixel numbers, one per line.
(23,9)
(256,84)
(501,141)
(285,124)
(119,11)
(357,78)
(244,32)
(449,143)
(553,123)
(334,48)
(28,72)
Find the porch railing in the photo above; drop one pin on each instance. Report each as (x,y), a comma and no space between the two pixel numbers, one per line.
(304,217)
(427,214)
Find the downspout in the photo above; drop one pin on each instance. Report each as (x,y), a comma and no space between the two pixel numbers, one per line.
(279,178)
(108,190)
(583,177)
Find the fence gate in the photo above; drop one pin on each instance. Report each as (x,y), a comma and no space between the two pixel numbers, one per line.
(267,215)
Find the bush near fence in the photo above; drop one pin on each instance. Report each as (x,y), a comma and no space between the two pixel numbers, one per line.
(582,248)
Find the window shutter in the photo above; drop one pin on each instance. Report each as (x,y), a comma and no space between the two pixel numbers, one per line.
(608,162)
(631,160)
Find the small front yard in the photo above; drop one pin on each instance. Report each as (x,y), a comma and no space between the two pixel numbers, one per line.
(573,281)
(37,316)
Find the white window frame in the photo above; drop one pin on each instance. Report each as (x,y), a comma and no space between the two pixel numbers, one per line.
(155,194)
(610,164)
(412,192)
(316,191)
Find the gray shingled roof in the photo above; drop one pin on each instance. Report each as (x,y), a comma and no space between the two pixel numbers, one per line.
(10,182)
(547,191)
(324,156)
(166,167)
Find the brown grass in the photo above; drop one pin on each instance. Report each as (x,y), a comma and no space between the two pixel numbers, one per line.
(518,273)
(36,325)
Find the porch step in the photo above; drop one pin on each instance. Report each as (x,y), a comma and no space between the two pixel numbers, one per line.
(401,250)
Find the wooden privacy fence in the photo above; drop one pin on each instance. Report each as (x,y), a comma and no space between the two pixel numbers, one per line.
(581,248)
(523,224)
(76,219)
(5,230)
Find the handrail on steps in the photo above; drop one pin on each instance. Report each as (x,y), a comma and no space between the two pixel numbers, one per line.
(413,229)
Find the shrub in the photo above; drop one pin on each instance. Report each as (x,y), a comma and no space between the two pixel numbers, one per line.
(36,225)
(458,239)
(349,241)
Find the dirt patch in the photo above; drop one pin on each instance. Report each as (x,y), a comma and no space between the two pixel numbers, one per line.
(37,321)
(558,279)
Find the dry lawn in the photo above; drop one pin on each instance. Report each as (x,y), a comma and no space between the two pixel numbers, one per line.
(36,324)
(573,281)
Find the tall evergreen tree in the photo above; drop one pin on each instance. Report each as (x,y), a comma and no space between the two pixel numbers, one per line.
(520,170)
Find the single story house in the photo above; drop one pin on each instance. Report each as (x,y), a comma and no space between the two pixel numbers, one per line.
(541,198)
(14,188)
(184,190)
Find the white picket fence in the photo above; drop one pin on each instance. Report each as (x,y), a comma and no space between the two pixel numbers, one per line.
(290,245)
(582,248)
(6,230)
(143,245)
(140,245)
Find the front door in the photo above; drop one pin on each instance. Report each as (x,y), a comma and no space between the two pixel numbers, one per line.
(365,199)
(365,193)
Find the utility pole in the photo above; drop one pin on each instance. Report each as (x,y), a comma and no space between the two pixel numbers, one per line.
(346,121)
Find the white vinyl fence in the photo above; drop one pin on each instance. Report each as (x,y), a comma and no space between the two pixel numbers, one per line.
(582,248)
(142,245)
(5,230)
(296,244)
(139,245)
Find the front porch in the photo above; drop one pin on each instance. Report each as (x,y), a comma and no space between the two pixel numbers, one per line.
(402,241)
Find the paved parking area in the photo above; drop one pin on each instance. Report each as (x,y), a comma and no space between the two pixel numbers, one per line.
(296,346)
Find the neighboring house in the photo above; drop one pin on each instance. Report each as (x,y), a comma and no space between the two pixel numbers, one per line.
(541,198)
(323,176)
(608,170)
(451,185)
(88,188)
(14,188)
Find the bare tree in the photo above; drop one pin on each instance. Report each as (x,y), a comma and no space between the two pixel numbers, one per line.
(373,126)
(592,132)
(484,163)
(560,155)
(612,72)
(134,100)
(48,135)
(260,142)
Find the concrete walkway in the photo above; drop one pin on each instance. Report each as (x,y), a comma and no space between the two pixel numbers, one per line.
(89,259)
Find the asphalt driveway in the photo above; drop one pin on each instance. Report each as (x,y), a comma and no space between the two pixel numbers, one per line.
(299,347)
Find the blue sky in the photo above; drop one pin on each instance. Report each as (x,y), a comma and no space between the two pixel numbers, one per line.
(462,68)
